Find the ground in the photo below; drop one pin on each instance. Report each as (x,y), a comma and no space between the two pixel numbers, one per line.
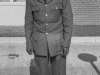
(83,59)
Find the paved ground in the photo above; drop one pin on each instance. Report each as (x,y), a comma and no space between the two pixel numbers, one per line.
(83,59)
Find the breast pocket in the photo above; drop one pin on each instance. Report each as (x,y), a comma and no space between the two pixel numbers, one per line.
(56,10)
(36,13)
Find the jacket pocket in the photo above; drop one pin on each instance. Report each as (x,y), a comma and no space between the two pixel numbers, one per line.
(35,8)
(58,36)
(56,7)
(36,13)
(56,11)
(59,41)
(35,39)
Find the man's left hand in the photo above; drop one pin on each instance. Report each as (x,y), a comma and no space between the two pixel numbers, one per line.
(65,51)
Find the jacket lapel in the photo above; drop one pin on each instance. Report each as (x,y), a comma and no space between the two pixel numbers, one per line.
(42,1)
(49,1)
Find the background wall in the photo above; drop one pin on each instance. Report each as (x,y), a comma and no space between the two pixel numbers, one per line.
(86,12)
(86,18)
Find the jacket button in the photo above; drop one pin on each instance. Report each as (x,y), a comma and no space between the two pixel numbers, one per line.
(46,33)
(46,24)
(45,5)
(56,7)
(46,14)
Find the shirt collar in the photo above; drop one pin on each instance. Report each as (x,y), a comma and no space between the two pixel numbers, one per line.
(42,1)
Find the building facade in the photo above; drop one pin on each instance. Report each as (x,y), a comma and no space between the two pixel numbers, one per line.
(86,15)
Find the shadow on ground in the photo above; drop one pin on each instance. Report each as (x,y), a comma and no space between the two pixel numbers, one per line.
(89,58)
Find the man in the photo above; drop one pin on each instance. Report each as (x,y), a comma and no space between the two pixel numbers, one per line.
(48,31)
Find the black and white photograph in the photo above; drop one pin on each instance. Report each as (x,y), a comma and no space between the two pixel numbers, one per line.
(50,37)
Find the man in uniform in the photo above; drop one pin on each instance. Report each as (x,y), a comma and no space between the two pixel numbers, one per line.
(48,31)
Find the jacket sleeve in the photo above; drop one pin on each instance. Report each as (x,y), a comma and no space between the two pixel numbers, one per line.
(67,22)
(28,24)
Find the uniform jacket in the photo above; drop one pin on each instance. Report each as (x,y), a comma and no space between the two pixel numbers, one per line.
(48,23)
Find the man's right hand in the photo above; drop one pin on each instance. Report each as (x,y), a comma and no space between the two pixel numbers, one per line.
(29,47)
(30,51)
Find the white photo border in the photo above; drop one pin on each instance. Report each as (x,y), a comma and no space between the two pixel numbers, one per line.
(12,3)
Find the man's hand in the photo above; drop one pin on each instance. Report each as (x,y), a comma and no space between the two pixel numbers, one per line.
(65,51)
(29,47)
(30,51)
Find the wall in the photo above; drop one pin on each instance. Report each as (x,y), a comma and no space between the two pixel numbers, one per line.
(86,12)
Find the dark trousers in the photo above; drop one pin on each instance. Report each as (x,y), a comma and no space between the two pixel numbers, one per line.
(57,64)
